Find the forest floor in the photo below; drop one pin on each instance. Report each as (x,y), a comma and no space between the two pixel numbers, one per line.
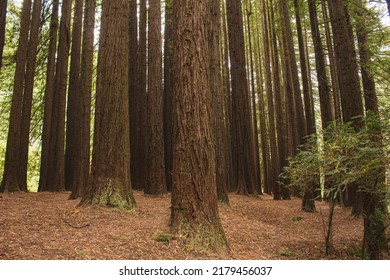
(48,226)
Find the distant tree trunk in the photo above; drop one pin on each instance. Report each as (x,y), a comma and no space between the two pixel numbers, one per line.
(48,98)
(217,94)
(262,120)
(323,85)
(11,177)
(140,179)
(74,91)
(308,204)
(333,68)
(244,153)
(3,17)
(228,103)
(168,88)
(83,109)
(370,97)
(351,98)
(155,173)
(295,97)
(56,163)
(281,122)
(133,91)
(110,175)
(28,92)
(273,153)
(253,98)
(194,211)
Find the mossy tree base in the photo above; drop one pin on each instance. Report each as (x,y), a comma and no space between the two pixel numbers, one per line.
(110,193)
(202,236)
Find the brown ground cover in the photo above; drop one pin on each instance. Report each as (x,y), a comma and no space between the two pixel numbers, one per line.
(49,226)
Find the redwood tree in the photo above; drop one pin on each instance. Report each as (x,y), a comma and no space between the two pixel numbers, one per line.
(194,211)
(74,91)
(11,178)
(48,97)
(155,174)
(110,174)
(56,162)
(81,166)
(244,154)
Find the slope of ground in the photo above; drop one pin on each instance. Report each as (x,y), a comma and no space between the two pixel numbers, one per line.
(49,226)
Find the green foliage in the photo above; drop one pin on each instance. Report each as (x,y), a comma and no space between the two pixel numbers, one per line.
(164,238)
(345,156)
(286,253)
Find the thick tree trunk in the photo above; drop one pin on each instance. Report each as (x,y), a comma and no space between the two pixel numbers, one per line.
(83,110)
(74,91)
(3,19)
(155,173)
(11,176)
(243,151)
(48,98)
(28,92)
(110,175)
(194,211)
(351,97)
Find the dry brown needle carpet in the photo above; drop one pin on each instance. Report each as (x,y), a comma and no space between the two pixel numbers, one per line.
(47,226)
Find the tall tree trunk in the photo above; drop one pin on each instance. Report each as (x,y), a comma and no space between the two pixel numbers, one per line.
(308,204)
(228,103)
(155,174)
(295,95)
(323,85)
(140,179)
(168,88)
(217,94)
(333,68)
(48,98)
(265,161)
(194,211)
(56,163)
(244,154)
(28,92)
(3,19)
(272,178)
(11,176)
(281,123)
(74,91)
(110,175)
(133,91)
(83,109)
(351,97)
(253,99)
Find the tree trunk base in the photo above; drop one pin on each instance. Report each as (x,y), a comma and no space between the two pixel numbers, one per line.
(111,193)
(202,237)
